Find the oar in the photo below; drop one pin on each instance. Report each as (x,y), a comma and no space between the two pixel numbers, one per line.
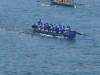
(81,33)
(38,1)
(81,4)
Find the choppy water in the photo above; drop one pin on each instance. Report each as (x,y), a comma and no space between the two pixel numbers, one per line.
(23,52)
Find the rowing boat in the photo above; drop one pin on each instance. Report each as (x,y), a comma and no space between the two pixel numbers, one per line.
(71,34)
(63,2)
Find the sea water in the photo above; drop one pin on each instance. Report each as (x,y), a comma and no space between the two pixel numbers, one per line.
(24,52)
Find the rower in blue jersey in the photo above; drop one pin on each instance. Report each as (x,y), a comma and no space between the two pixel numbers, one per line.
(48,28)
(44,27)
(61,30)
(52,28)
(57,29)
(39,22)
(41,26)
(68,28)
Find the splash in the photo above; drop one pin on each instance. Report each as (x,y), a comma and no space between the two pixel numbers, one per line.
(45,4)
(2,29)
(87,5)
(74,6)
(46,35)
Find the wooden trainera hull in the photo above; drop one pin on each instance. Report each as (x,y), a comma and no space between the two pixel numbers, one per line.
(70,34)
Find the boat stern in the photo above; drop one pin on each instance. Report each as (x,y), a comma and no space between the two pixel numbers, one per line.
(71,35)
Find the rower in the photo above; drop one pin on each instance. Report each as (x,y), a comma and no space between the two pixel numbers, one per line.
(53,28)
(60,28)
(57,30)
(40,27)
(67,29)
(48,28)
(39,22)
(44,27)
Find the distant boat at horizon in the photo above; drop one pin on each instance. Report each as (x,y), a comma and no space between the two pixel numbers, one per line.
(63,2)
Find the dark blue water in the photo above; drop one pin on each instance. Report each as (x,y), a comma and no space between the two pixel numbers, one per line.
(24,52)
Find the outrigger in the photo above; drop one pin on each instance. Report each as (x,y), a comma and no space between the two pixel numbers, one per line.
(51,29)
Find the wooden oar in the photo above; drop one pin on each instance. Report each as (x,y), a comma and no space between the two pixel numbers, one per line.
(38,1)
(81,34)
(81,4)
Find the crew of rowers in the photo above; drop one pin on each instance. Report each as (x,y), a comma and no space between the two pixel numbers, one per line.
(64,1)
(52,28)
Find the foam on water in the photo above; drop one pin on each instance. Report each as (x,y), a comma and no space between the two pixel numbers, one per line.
(46,35)
(45,4)
(2,29)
